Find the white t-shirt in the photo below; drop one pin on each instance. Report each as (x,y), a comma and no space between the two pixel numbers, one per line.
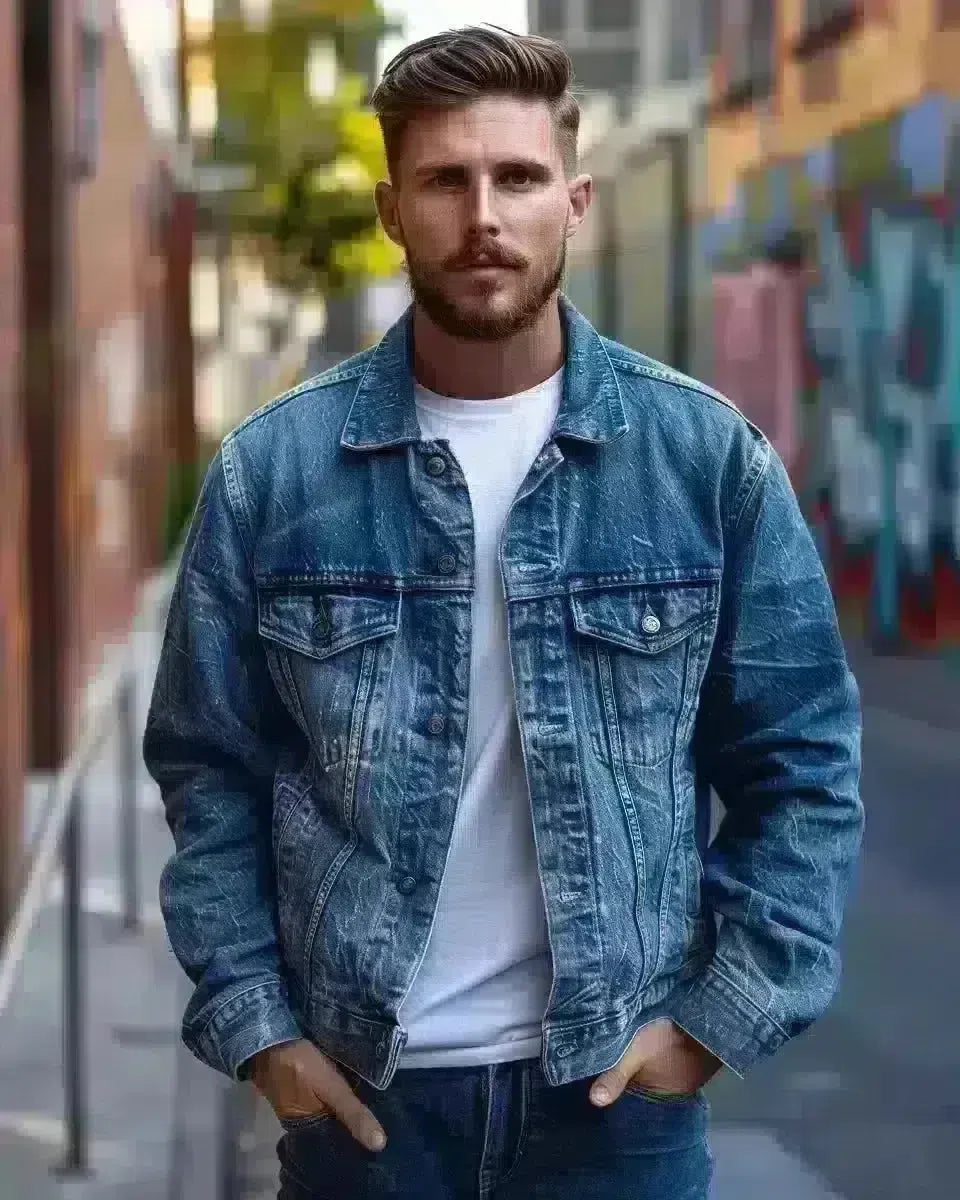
(482,988)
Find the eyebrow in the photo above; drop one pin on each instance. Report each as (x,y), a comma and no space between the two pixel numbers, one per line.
(535,167)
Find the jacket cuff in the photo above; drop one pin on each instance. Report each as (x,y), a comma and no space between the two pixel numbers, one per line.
(249,1021)
(717,1014)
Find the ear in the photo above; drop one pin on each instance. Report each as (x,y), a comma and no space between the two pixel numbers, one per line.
(580,191)
(386,201)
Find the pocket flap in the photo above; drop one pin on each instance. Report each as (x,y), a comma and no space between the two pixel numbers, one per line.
(323,623)
(648,618)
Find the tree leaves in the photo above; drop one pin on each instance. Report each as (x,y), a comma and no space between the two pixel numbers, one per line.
(310,210)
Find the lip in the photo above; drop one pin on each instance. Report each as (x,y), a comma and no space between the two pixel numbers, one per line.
(485,266)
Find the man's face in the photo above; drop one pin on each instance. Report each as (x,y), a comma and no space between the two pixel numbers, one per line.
(482,207)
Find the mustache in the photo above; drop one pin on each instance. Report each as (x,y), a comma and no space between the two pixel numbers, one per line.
(486,254)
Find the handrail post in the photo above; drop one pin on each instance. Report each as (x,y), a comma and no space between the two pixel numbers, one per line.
(129,825)
(76,1161)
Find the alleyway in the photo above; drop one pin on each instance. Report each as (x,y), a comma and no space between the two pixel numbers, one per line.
(865,1107)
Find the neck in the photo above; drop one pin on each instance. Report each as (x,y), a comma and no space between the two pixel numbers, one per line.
(474,370)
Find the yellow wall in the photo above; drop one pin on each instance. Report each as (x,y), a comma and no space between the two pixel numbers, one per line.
(881,68)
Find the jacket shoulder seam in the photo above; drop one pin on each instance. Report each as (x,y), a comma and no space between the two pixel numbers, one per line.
(235,499)
(755,473)
(684,383)
(315,384)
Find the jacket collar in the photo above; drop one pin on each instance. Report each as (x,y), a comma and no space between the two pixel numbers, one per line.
(383,412)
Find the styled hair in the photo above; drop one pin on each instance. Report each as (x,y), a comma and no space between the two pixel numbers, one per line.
(451,69)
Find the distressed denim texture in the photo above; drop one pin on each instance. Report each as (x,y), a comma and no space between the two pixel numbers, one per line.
(670,627)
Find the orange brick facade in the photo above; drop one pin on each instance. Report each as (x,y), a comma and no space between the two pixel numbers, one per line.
(117,437)
(13,598)
(85,369)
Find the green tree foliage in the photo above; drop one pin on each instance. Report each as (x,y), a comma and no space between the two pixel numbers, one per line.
(309,210)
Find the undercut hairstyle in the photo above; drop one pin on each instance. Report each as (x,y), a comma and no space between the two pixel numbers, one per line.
(452,69)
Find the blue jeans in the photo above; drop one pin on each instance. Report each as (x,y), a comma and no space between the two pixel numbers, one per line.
(500,1132)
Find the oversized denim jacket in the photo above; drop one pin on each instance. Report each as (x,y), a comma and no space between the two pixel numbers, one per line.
(671,630)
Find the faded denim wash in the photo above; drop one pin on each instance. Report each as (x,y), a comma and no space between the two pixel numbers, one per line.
(670,628)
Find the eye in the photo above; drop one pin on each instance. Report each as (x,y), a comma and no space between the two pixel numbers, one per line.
(516,177)
(447,179)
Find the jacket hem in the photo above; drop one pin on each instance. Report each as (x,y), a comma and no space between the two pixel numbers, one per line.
(717,1014)
(247,1022)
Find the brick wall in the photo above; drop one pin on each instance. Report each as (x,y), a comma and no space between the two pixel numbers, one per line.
(117,449)
(12,470)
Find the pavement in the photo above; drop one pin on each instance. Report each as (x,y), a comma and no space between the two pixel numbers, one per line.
(141,1080)
(866,1106)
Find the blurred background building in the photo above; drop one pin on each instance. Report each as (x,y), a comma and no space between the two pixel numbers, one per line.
(784,174)
(91,300)
(187,228)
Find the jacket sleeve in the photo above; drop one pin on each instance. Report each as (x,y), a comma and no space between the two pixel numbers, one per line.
(778,731)
(210,743)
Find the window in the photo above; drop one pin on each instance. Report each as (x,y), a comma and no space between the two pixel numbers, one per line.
(820,12)
(824,22)
(610,16)
(615,71)
(552,16)
(948,14)
(710,21)
(747,39)
(691,38)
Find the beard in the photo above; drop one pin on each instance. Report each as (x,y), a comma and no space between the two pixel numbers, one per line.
(470,321)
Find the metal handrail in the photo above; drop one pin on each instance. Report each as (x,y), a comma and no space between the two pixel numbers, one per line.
(111,695)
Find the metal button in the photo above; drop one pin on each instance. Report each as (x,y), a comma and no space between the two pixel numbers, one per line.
(446,564)
(650,624)
(437,724)
(406,885)
(436,465)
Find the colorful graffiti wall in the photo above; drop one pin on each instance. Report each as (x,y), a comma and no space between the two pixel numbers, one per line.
(862,394)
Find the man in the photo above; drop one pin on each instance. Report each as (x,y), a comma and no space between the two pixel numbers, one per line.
(465,630)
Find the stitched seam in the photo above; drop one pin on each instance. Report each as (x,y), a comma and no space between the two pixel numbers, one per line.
(327,884)
(608,701)
(751,485)
(275,982)
(753,1004)
(368,665)
(682,383)
(522,1136)
(298,799)
(235,499)
(669,1099)
(293,1124)
(481,1169)
(314,384)
(666,891)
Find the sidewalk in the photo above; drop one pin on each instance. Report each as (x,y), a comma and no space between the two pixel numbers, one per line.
(155,1111)
(918,688)
(133,1005)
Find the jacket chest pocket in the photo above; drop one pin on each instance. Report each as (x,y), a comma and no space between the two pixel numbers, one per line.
(330,653)
(642,651)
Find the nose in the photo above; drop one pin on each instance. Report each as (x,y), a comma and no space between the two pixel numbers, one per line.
(483,219)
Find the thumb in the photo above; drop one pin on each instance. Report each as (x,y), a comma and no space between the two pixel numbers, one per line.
(608,1087)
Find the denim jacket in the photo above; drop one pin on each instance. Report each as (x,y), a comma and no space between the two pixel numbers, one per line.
(671,630)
